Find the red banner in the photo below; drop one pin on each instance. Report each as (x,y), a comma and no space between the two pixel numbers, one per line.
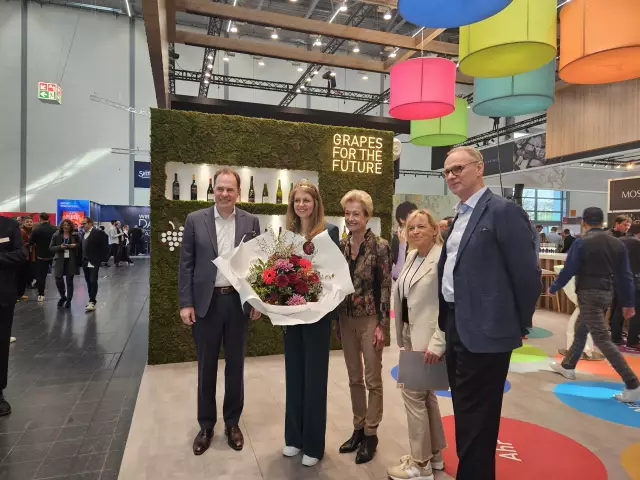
(35,216)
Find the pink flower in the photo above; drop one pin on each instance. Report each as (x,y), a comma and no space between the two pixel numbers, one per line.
(282,280)
(295,259)
(296,300)
(305,264)
(283,265)
(269,275)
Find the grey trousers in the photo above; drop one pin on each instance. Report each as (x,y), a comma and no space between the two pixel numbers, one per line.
(593,307)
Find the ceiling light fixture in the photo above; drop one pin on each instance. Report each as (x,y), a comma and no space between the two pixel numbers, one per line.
(343,7)
(630,166)
(210,57)
(393,54)
(303,87)
(333,74)
(210,66)
(207,74)
(315,72)
(298,90)
(206,81)
(261,63)
(226,57)
(274,35)
(387,15)
(233,28)
(356,48)
(300,69)
(317,43)
(364,77)
(126,2)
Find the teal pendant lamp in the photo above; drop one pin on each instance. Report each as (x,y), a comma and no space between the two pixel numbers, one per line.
(522,94)
(440,132)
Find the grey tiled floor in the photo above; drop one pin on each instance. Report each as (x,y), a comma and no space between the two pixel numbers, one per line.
(164,423)
(74,378)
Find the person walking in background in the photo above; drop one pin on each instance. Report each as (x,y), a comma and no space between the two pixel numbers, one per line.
(600,264)
(25,272)
(212,307)
(632,242)
(41,239)
(621,226)
(95,249)
(568,240)
(137,244)
(115,236)
(444,225)
(416,321)
(554,237)
(306,347)
(362,326)
(12,255)
(399,247)
(125,245)
(64,245)
(489,285)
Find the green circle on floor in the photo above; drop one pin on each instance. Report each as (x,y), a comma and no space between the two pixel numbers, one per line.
(537,332)
(527,354)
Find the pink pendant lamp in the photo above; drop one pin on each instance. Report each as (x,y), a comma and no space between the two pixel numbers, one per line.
(422,88)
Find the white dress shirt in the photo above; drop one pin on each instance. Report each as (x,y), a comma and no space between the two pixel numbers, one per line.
(226,235)
(464,211)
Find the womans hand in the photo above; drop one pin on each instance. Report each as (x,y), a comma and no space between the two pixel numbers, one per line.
(431,358)
(255,314)
(379,337)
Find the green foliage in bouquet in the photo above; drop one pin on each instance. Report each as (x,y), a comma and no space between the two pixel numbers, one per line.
(235,141)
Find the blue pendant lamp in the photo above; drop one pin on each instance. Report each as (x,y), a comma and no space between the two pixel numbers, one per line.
(522,94)
(449,13)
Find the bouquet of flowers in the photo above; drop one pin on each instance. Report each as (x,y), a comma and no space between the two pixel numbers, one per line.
(291,280)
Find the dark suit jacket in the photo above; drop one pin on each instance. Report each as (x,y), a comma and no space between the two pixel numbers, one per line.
(633,250)
(568,241)
(95,247)
(197,273)
(13,254)
(41,238)
(496,277)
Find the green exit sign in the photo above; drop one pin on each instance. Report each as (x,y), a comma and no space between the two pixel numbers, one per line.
(49,92)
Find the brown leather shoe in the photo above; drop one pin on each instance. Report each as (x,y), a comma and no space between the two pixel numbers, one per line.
(235,438)
(202,441)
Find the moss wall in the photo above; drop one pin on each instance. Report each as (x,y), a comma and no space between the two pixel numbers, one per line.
(200,138)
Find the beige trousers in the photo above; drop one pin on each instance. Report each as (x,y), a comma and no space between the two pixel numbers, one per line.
(426,432)
(357,344)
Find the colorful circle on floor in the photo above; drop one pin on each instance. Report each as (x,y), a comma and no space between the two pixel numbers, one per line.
(596,399)
(538,332)
(394,373)
(604,368)
(447,393)
(630,460)
(530,452)
(528,353)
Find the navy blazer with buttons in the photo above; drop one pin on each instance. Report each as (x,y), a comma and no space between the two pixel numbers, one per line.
(496,277)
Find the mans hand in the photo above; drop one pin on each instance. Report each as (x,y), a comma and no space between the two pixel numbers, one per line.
(378,337)
(63,245)
(628,312)
(255,314)
(431,358)
(336,331)
(188,315)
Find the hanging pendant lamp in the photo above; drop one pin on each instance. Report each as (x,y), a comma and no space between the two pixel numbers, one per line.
(522,94)
(600,41)
(520,38)
(448,13)
(440,132)
(422,88)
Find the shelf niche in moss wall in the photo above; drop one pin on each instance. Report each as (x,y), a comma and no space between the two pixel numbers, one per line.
(199,141)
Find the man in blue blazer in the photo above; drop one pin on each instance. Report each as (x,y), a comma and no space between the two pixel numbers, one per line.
(489,283)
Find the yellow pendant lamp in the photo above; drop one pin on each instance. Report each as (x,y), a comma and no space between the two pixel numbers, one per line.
(520,38)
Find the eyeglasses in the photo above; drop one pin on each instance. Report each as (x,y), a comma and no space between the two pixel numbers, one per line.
(457,170)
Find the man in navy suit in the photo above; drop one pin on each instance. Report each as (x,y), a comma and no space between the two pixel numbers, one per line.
(489,285)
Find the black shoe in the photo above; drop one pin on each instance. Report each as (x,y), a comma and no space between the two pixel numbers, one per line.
(61,302)
(67,304)
(202,441)
(353,443)
(5,408)
(367,449)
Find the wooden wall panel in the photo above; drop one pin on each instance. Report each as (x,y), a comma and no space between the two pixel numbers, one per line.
(588,117)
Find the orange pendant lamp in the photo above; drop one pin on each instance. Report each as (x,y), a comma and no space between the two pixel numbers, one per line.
(600,41)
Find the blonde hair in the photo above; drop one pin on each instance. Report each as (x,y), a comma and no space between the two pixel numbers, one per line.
(471,151)
(359,196)
(430,220)
(317,216)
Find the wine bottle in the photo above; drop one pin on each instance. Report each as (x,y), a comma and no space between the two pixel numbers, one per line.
(265,194)
(210,191)
(279,193)
(194,188)
(279,231)
(344,232)
(176,187)
(252,192)
(290,191)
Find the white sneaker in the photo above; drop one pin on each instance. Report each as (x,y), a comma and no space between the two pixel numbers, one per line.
(409,470)
(629,396)
(290,451)
(565,372)
(309,461)
(437,463)
(41,298)
(90,307)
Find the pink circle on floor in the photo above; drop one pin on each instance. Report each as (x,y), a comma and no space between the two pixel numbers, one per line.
(530,452)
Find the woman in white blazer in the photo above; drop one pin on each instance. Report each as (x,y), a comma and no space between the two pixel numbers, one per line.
(415,296)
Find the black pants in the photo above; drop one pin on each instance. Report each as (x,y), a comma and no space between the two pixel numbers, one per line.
(617,325)
(477,386)
(6,321)
(68,276)
(225,324)
(306,360)
(115,252)
(124,254)
(42,269)
(137,247)
(91,277)
(24,277)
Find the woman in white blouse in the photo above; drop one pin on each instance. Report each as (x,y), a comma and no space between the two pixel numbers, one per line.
(415,296)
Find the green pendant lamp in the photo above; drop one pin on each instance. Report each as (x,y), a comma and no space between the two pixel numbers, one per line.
(443,131)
